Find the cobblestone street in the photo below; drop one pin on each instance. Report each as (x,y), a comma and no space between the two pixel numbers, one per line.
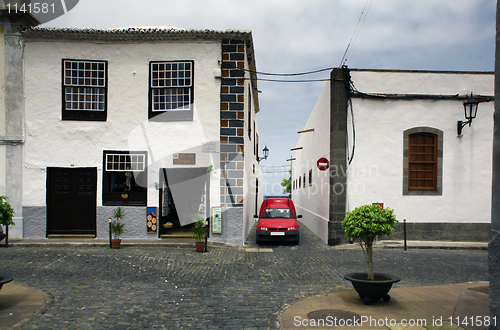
(147,287)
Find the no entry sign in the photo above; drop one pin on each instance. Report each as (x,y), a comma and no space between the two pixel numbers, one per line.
(323,164)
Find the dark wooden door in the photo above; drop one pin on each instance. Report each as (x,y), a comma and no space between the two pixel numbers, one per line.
(71,200)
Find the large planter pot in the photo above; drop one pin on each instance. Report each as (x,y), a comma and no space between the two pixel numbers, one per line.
(371,291)
(4,279)
(200,247)
(115,243)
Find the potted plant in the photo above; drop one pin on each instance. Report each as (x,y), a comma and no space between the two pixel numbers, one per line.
(363,225)
(6,215)
(117,227)
(199,233)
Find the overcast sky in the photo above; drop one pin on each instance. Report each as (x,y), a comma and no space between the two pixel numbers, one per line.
(304,35)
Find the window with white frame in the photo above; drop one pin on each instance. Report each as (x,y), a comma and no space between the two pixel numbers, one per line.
(84,90)
(125,162)
(124,178)
(171,90)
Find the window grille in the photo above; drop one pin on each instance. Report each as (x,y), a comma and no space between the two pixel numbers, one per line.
(84,90)
(84,85)
(171,84)
(125,162)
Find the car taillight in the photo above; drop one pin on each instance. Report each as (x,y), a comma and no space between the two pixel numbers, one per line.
(263,228)
(292,228)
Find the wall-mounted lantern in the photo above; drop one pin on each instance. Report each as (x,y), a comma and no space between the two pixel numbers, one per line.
(470,109)
(266,153)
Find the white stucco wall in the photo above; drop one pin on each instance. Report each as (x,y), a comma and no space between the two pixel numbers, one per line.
(376,173)
(313,201)
(251,175)
(53,142)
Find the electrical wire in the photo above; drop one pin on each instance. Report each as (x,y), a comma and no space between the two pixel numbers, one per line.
(290,74)
(356,31)
(294,81)
(353,134)
(354,36)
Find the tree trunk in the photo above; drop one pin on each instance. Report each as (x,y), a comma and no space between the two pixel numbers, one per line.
(369,260)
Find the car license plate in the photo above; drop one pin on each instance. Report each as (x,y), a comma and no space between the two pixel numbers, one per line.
(277,233)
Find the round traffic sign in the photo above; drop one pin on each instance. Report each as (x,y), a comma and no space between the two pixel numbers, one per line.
(323,164)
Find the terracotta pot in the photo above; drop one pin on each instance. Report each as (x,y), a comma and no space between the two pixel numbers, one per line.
(371,291)
(200,247)
(115,243)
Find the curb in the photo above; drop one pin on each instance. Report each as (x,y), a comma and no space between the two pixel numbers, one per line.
(412,245)
(49,302)
(127,244)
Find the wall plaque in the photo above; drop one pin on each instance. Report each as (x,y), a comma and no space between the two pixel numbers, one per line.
(217,220)
(185,159)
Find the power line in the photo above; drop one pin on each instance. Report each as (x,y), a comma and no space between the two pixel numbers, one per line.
(356,31)
(290,74)
(294,81)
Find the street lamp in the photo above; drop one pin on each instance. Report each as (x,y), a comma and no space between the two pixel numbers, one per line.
(266,153)
(470,111)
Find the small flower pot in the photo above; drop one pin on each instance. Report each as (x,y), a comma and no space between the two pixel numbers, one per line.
(200,247)
(371,291)
(115,243)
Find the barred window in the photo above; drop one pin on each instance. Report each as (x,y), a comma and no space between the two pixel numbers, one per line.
(84,90)
(171,88)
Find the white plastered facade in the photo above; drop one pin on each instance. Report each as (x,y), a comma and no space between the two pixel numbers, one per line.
(53,142)
(375,174)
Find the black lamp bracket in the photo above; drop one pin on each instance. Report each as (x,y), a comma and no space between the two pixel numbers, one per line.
(461,125)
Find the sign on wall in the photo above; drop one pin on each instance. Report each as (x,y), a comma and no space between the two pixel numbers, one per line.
(185,159)
(151,220)
(217,220)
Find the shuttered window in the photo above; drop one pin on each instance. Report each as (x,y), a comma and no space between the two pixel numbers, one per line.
(422,161)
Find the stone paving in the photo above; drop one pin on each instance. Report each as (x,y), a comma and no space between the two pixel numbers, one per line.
(227,288)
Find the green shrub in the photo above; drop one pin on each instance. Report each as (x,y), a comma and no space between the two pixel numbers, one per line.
(6,212)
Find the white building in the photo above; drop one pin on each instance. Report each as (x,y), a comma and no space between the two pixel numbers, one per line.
(391,137)
(155,120)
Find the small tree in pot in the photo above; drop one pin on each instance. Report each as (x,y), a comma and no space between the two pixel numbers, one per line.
(117,227)
(199,233)
(363,225)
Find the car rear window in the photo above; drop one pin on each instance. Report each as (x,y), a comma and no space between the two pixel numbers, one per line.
(277,214)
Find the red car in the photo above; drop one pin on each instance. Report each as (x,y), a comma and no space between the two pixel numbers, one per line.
(277,221)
